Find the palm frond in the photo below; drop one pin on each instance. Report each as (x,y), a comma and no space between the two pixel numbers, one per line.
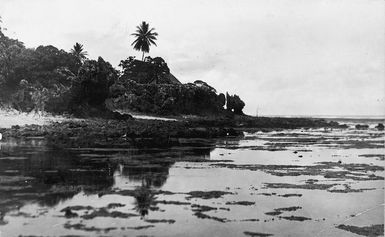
(78,51)
(145,37)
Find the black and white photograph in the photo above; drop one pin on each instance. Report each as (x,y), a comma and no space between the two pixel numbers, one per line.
(192,118)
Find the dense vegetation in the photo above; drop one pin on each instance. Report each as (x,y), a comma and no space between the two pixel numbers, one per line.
(48,79)
(149,87)
(145,37)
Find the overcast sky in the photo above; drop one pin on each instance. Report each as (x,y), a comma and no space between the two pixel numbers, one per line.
(285,57)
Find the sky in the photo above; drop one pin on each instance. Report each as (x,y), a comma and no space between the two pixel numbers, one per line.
(282,57)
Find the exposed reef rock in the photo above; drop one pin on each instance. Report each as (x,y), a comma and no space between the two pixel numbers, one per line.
(362,126)
(118,133)
(373,230)
(380,127)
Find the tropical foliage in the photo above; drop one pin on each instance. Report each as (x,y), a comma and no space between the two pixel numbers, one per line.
(145,37)
(91,87)
(78,52)
(52,80)
(49,79)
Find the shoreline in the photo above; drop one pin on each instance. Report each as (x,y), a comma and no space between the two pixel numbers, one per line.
(98,132)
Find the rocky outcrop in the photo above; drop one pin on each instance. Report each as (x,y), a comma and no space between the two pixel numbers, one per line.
(234,104)
(149,87)
(151,71)
(380,127)
(120,133)
(362,126)
(191,98)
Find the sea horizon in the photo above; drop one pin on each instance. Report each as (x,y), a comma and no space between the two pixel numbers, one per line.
(328,116)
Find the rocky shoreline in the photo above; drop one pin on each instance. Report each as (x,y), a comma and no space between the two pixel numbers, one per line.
(137,132)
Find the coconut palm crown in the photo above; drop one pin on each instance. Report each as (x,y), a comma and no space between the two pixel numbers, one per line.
(145,37)
(79,52)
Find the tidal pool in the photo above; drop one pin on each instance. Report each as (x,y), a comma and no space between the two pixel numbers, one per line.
(286,183)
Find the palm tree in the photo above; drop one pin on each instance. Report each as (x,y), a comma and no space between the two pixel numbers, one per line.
(144,38)
(78,52)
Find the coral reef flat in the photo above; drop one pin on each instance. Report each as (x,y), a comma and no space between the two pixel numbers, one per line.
(120,178)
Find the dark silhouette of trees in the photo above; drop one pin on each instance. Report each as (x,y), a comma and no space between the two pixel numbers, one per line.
(48,79)
(78,52)
(145,37)
(234,104)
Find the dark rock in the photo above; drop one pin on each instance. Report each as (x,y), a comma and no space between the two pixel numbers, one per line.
(234,104)
(206,194)
(256,234)
(266,124)
(293,208)
(75,208)
(103,212)
(170,221)
(380,127)
(343,126)
(15,127)
(373,230)
(362,126)
(296,218)
(119,116)
(115,205)
(205,216)
(243,203)
(290,195)
(273,213)
(70,214)
(202,208)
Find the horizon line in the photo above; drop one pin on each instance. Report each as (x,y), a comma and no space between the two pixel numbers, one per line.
(320,116)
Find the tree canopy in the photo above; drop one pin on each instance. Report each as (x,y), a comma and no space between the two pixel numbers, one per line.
(78,51)
(48,79)
(145,37)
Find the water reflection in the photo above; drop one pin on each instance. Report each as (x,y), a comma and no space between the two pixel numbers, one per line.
(32,172)
(144,200)
(147,191)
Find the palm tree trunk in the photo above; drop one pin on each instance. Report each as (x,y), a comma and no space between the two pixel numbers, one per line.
(143,56)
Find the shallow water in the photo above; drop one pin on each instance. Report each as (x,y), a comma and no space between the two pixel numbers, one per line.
(320,174)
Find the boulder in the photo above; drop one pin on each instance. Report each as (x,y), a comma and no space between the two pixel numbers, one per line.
(362,126)
(380,127)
